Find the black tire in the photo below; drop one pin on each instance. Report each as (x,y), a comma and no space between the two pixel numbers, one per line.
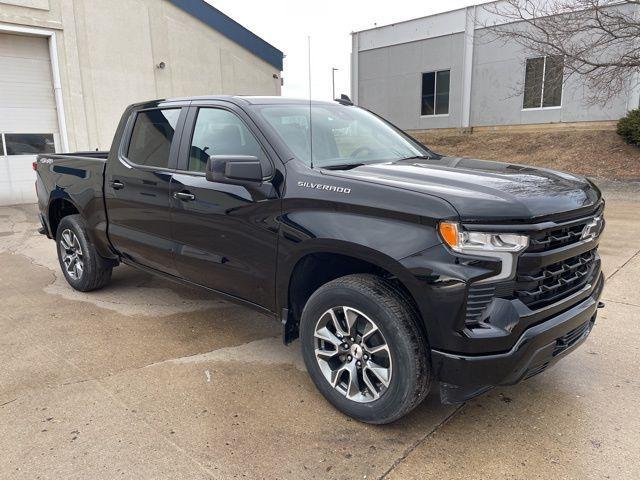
(96,271)
(397,321)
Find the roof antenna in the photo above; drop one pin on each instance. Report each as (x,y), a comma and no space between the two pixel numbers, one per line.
(310,111)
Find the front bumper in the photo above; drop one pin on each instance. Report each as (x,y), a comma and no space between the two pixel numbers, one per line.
(540,346)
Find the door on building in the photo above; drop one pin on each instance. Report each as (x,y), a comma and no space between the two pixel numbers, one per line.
(28,116)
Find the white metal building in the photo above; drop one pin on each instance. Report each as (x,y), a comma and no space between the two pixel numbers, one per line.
(68,68)
(446,71)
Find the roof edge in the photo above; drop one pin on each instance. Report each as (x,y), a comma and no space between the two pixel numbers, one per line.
(231,29)
(415,19)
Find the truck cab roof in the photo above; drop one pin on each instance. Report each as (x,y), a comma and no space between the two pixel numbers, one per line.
(236,99)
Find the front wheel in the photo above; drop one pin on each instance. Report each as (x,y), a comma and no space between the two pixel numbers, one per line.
(82,266)
(363,349)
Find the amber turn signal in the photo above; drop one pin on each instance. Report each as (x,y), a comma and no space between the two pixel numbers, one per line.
(449,233)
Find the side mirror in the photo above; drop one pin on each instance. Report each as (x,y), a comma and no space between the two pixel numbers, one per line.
(234,169)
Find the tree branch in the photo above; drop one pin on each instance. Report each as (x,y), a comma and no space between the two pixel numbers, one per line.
(599,39)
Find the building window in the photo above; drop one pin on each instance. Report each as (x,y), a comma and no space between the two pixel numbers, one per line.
(152,136)
(435,93)
(543,82)
(27,143)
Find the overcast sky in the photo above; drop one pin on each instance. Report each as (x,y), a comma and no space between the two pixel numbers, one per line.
(287,23)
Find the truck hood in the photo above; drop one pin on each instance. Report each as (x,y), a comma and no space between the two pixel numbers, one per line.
(483,190)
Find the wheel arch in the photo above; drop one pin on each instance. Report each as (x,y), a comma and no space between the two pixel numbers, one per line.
(328,261)
(60,206)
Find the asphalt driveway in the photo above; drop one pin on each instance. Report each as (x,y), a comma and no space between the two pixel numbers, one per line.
(147,379)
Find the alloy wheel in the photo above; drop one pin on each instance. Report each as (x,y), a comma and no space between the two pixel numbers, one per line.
(71,253)
(352,354)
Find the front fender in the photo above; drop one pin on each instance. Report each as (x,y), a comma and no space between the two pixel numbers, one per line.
(337,247)
(379,241)
(410,251)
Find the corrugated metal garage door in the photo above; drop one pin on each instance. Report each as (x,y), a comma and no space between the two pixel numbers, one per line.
(28,118)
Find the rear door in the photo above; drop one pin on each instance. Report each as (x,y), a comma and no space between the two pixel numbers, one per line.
(226,235)
(137,185)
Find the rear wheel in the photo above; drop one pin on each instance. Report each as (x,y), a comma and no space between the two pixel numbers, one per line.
(82,266)
(363,349)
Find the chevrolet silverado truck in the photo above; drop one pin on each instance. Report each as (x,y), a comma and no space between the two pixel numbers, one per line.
(400,270)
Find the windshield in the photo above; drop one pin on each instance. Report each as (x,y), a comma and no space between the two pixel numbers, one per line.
(342,135)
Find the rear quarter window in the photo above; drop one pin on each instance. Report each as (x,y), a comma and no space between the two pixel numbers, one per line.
(151,137)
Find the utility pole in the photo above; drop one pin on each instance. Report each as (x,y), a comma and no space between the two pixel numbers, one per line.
(333,82)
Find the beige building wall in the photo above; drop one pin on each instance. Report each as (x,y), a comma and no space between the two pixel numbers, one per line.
(108,52)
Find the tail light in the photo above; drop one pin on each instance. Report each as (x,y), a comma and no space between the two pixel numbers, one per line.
(34,165)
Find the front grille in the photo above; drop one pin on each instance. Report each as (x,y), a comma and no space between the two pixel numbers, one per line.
(561,235)
(538,284)
(549,284)
(551,239)
(571,338)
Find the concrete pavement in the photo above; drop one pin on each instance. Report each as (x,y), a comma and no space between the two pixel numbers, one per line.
(147,379)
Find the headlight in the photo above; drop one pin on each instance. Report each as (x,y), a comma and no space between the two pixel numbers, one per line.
(502,246)
(477,242)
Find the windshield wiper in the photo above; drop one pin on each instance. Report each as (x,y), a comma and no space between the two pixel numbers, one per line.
(416,157)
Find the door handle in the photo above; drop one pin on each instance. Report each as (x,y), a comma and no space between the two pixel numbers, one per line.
(117,185)
(184,196)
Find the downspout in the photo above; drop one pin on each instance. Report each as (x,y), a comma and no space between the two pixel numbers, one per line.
(467,77)
(355,53)
(57,91)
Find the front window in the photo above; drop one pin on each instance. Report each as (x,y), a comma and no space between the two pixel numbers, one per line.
(543,82)
(342,135)
(220,132)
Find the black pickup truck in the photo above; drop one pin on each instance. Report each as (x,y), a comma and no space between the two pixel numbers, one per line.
(400,270)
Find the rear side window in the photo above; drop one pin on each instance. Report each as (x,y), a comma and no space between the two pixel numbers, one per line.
(151,137)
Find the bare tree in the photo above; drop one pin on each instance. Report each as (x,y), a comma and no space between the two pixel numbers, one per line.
(599,40)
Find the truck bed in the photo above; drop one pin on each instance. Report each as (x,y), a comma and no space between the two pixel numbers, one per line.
(67,169)
(100,155)
(75,181)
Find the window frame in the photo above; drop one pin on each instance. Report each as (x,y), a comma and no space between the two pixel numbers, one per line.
(182,166)
(4,146)
(544,71)
(435,93)
(123,151)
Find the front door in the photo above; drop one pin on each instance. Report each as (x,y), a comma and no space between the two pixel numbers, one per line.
(226,235)
(137,185)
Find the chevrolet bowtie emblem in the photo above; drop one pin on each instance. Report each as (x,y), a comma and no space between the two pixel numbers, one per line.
(592,229)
